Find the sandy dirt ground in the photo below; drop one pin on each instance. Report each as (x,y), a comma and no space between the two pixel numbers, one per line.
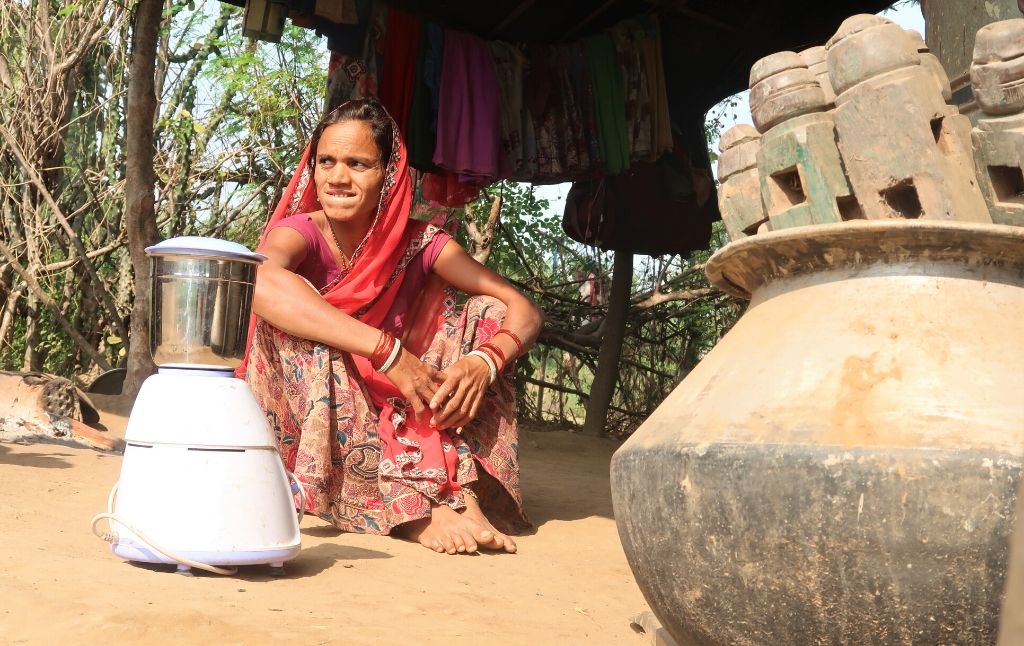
(570,583)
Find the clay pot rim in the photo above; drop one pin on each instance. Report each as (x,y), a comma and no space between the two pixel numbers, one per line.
(743,266)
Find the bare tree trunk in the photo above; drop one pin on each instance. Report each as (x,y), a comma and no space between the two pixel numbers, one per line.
(10,310)
(566,362)
(611,345)
(32,361)
(482,237)
(140,182)
(123,287)
(540,388)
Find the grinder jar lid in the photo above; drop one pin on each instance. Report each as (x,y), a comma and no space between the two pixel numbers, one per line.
(201,247)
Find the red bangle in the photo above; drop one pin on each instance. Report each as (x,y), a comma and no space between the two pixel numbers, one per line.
(385,344)
(498,364)
(515,337)
(495,350)
(381,343)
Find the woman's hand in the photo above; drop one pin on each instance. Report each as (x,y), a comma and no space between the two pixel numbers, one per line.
(417,381)
(457,400)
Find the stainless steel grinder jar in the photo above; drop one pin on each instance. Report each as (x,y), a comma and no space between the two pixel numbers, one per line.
(201,302)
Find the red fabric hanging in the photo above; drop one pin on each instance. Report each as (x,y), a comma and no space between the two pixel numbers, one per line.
(398,74)
(445,188)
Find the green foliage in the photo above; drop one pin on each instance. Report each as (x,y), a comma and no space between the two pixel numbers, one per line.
(275,91)
(525,220)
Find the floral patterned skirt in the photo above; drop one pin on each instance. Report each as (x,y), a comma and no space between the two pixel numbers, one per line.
(327,429)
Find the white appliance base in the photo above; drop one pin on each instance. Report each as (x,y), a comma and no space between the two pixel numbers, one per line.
(202,478)
(143,554)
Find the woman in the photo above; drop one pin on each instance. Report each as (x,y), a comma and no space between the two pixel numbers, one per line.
(394,412)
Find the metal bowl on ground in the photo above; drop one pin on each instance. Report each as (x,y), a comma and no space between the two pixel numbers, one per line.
(201,302)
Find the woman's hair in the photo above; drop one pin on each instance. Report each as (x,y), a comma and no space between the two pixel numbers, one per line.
(367,110)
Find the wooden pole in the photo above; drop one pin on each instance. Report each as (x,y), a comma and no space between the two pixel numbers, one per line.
(140,181)
(540,388)
(611,345)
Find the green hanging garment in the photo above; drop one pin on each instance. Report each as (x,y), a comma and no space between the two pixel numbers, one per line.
(609,103)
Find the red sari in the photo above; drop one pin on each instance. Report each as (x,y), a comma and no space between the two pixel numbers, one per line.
(343,428)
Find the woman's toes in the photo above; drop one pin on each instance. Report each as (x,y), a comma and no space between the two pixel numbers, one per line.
(487,537)
(468,541)
(460,543)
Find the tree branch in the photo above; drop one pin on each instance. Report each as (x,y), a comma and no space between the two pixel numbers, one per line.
(95,253)
(75,241)
(87,42)
(578,393)
(657,298)
(48,302)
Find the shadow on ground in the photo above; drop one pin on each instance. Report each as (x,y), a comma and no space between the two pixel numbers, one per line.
(565,476)
(39,460)
(310,562)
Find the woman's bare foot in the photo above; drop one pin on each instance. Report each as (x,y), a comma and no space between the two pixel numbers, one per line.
(446,530)
(499,541)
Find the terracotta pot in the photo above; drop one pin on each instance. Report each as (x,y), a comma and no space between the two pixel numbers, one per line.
(843,466)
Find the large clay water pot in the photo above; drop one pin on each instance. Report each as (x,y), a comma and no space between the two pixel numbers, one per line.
(842,468)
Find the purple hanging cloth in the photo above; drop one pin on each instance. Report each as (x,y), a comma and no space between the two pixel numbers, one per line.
(469,114)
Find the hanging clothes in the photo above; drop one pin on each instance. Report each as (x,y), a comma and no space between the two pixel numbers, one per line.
(347,38)
(355,76)
(661,122)
(570,115)
(474,111)
(529,133)
(426,210)
(469,114)
(542,94)
(609,102)
(583,91)
(398,76)
(349,77)
(426,97)
(628,37)
(508,68)
(446,189)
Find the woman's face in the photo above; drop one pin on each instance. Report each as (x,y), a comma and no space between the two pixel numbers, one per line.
(348,173)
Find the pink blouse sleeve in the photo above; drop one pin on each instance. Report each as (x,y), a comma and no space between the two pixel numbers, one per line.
(304,225)
(433,250)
